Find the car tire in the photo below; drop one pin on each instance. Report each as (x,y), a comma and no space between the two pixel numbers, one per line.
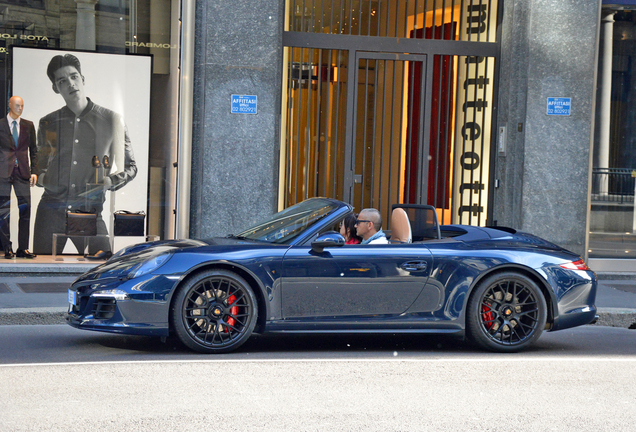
(507,312)
(215,311)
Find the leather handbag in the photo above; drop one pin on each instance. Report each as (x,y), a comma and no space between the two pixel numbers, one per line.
(129,223)
(81,223)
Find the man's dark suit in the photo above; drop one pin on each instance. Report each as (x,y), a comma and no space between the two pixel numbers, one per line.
(18,177)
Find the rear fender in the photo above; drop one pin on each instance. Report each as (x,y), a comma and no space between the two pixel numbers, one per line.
(540,280)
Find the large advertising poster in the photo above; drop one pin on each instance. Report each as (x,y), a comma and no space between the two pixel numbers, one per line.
(105,148)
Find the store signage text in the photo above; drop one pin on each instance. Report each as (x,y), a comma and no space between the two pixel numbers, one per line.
(23,37)
(474,120)
(150,45)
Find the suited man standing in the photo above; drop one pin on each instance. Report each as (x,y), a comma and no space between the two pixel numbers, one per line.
(17,146)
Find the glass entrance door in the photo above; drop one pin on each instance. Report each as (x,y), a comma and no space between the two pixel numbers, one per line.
(389,126)
(390,102)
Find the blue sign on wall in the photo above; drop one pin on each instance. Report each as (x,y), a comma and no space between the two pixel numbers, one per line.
(244,104)
(559,106)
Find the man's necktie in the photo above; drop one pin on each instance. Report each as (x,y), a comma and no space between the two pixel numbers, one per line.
(15,132)
(15,138)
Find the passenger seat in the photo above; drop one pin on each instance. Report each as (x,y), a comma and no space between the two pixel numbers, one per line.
(400,227)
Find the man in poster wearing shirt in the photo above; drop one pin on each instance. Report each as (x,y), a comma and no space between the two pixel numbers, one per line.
(72,141)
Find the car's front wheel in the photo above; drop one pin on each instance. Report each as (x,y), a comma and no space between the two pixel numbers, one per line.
(506,313)
(214,312)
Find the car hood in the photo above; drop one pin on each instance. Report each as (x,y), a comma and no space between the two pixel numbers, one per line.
(214,244)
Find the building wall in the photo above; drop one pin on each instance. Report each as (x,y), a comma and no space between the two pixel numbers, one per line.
(549,49)
(235,156)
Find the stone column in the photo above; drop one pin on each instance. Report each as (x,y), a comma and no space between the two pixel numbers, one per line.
(238,50)
(549,49)
(607,27)
(85,26)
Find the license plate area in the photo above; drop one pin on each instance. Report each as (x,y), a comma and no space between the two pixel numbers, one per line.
(72,298)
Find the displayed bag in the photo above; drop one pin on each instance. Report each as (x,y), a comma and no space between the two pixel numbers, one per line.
(129,223)
(81,223)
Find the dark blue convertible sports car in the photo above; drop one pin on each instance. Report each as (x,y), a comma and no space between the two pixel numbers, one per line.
(293,273)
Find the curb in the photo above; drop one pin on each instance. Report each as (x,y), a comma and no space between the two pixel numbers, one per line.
(33,316)
(616,317)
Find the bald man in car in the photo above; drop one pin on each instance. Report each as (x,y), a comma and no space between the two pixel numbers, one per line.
(369,227)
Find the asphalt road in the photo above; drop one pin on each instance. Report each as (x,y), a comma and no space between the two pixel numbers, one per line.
(56,378)
(62,344)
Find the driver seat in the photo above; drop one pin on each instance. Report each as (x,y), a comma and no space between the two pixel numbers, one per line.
(400,227)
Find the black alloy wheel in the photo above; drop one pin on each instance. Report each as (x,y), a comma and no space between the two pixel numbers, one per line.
(214,312)
(506,313)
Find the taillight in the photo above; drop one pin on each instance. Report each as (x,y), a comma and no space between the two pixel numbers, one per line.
(575,265)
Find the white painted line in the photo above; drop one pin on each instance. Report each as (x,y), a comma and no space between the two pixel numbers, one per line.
(498,358)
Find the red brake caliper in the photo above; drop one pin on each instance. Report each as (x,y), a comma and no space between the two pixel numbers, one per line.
(487,316)
(233,310)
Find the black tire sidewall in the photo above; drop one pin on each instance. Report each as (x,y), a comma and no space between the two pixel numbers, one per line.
(474,328)
(178,321)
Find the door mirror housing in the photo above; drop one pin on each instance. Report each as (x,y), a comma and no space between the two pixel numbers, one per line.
(328,239)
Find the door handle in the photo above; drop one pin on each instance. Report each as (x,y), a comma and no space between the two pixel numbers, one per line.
(414,266)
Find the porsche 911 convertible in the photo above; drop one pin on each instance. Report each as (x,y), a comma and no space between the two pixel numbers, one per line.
(496,287)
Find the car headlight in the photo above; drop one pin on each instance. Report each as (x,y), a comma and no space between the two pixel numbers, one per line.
(149,265)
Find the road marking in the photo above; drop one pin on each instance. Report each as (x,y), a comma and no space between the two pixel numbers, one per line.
(625,359)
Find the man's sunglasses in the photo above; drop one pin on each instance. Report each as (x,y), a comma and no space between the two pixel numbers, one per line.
(359,221)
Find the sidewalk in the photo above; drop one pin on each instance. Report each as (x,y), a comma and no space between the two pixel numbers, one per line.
(39,295)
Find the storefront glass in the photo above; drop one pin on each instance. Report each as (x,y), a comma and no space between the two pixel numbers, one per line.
(380,120)
(99,81)
(612,216)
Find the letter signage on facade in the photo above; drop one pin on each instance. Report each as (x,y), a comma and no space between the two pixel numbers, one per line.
(474,117)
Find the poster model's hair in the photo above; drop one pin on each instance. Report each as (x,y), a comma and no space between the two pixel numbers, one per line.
(59,62)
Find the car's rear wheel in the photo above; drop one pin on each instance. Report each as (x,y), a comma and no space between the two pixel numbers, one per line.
(506,313)
(214,312)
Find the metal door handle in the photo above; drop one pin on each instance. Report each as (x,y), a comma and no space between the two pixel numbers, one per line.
(414,266)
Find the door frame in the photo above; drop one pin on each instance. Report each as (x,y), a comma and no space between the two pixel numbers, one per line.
(429,47)
(352,112)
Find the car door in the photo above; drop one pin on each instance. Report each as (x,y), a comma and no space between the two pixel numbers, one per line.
(353,280)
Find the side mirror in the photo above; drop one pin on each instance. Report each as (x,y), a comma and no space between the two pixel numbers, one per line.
(328,239)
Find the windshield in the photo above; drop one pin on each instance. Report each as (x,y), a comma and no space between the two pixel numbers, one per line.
(288,224)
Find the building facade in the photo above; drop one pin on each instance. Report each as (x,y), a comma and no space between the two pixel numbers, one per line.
(493,111)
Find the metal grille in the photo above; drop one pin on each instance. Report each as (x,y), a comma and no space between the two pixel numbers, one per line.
(390,96)
(314,123)
(369,124)
(392,18)
(613,185)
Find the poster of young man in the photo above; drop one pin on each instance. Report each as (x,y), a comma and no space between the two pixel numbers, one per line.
(92,114)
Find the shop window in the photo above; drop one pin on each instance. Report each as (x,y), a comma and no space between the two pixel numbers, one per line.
(612,217)
(113,150)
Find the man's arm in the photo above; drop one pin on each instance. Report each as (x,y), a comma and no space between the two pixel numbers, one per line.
(120,178)
(44,151)
(33,154)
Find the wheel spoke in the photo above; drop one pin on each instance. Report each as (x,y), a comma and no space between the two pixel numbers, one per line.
(531,327)
(527,314)
(516,329)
